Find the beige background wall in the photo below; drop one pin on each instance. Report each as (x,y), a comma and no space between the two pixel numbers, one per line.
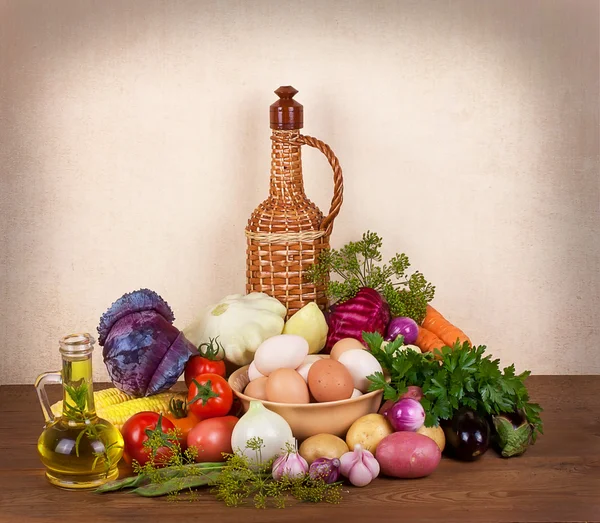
(135,144)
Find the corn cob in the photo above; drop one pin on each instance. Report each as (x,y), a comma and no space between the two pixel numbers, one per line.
(102,399)
(119,413)
(117,407)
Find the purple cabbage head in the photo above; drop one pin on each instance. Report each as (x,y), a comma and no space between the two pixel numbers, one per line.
(366,312)
(143,352)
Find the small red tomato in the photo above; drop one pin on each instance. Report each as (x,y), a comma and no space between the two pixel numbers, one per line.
(208,361)
(135,433)
(209,396)
(212,438)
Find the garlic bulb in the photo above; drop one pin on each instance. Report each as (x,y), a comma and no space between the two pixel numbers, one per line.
(270,427)
(290,464)
(359,466)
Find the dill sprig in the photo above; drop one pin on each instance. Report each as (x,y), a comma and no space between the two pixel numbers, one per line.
(245,479)
(174,474)
(358,264)
(235,482)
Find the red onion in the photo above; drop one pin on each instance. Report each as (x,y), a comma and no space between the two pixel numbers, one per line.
(401,326)
(413,392)
(406,414)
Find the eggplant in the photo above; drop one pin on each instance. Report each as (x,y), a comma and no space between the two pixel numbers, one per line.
(467,435)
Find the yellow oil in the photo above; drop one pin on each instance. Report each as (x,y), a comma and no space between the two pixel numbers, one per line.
(85,464)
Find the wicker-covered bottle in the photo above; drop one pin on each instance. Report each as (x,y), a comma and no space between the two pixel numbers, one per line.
(287,231)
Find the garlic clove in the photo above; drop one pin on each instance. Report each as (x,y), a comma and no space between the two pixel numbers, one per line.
(347,461)
(360,475)
(359,466)
(290,464)
(371,463)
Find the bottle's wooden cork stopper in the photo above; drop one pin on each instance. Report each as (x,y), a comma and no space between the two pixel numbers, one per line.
(286,114)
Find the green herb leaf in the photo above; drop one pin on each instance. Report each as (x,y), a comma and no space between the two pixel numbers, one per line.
(452,378)
(357,265)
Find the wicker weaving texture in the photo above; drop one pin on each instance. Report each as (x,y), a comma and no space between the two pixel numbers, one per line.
(287,232)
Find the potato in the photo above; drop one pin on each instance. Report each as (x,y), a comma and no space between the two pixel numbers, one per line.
(322,446)
(435,433)
(368,431)
(408,455)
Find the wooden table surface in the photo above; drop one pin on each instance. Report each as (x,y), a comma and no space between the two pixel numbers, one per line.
(558,479)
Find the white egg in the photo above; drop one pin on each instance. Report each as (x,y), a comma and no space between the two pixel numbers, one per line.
(307,364)
(303,370)
(253,372)
(360,364)
(284,351)
(356,393)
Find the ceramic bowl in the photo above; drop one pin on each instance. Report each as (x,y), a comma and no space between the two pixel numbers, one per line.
(308,419)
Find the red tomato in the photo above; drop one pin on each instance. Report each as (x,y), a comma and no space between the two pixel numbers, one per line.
(209,396)
(209,360)
(212,437)
(197,365)
(134,435)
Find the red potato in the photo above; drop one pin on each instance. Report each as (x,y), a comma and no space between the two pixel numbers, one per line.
(407,455)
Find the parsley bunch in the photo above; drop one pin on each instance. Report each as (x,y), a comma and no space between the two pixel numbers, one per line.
(455,377)
(357,265)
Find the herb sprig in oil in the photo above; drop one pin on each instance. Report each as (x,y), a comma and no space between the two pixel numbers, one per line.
(77,412)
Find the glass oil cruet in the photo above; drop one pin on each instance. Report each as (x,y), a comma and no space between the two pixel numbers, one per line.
(78,449)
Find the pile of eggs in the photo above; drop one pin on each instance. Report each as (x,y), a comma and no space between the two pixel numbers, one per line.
(284,372)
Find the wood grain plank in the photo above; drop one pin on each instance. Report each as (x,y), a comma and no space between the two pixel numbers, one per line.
(558,479)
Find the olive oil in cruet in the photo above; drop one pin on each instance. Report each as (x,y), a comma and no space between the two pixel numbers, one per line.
(78,449)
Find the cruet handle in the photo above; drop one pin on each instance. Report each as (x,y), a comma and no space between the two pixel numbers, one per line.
(48,378)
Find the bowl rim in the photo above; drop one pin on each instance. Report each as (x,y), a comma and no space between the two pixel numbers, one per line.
(321,405)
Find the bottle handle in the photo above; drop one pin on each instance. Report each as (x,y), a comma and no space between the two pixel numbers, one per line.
(48,378)
(338,180)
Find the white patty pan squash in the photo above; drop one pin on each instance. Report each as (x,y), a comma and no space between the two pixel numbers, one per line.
(241,323)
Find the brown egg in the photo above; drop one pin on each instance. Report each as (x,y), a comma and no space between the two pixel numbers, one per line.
(257,389)
(343,345)
(329,380)
(287,386)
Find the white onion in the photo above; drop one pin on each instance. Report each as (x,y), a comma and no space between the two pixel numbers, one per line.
(259,422)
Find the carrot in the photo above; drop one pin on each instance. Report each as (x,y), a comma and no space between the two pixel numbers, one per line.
(442,328)
(427,341)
